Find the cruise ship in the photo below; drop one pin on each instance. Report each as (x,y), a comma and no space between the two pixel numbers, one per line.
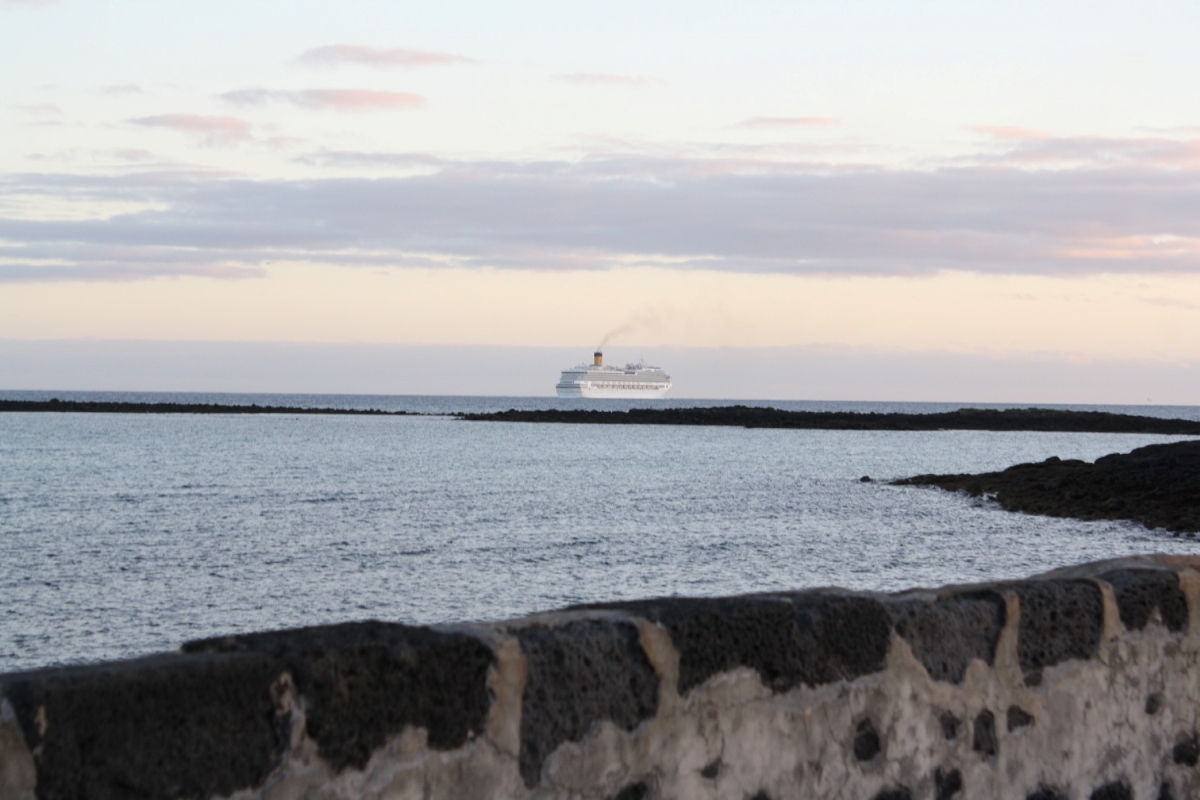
(596,380)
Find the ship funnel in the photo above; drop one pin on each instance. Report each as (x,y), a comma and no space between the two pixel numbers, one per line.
(598,359)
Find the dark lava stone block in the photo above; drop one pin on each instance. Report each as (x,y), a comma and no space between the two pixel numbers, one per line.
(984,740)
(634,791)
(945,635)
(1018,718)
(949,724)
(714,635)
(581,673)
(1187,752)
(1060,619)
(947,784)
(1140,591)
(1118,790)
(895,793)
(1046,793)
(842,636)
(161,727)
(364,681)
(805,637)
(866,741)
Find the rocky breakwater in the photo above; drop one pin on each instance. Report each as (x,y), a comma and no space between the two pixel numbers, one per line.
(1158,486)
(1082,683)
(963,419)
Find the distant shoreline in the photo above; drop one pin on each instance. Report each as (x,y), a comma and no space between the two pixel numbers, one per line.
(1013,419)
(1016,419)
(55,405)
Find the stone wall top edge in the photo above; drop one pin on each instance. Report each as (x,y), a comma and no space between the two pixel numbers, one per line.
(149,662)
(494,633)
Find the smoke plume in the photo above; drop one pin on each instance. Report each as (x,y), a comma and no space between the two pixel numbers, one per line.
(643,321)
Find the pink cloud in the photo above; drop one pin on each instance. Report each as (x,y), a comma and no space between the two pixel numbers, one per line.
(335,99)
(123,88)
(215,130)
(357,99)
(1058,151)
(787,122)
(606,79)
(335,54)
(1099,248)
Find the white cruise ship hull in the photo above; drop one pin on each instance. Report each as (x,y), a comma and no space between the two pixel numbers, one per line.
(596,381)
(653,392)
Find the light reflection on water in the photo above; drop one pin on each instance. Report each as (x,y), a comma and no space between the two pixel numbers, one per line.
(125,534)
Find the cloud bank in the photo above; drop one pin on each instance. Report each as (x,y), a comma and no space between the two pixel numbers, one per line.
(1041,206)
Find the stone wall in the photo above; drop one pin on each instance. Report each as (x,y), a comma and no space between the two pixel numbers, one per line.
(1079,684)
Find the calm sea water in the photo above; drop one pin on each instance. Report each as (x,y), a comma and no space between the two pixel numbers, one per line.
(126,534)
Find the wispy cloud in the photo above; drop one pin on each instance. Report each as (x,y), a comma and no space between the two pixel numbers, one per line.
(283,142)
(28,2)
(122,88)
(1170,302)
(213,130)
(334,99)
(607,79)
(40,109)
(1180,130)
(350,158)
(1010,132)
(123,270)
(787,122)
(132,154)
(337,54)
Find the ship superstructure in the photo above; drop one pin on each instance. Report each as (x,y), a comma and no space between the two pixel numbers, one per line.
(597,380)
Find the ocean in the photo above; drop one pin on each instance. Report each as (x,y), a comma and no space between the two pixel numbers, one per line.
(122,535)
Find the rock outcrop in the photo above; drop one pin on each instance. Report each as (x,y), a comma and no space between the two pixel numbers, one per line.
(1158,486)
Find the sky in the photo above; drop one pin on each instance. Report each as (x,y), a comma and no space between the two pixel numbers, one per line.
(928,183)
